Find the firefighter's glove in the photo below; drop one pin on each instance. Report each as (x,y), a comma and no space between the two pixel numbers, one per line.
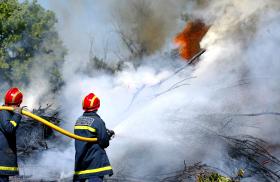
(111,133)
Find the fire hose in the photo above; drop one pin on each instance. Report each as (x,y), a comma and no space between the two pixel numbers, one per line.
(51,125)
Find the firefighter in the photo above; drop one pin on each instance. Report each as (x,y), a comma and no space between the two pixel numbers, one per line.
(91,160)
(9,121)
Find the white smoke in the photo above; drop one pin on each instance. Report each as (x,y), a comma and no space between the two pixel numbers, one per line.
(35,93)
(157,130)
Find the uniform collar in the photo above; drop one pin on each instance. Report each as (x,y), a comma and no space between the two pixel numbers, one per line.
(91,113)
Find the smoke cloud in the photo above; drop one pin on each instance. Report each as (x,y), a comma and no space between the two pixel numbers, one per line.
(157,128)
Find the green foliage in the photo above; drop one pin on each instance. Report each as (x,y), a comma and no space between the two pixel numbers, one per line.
(213,177)
(27,38)
(99,64)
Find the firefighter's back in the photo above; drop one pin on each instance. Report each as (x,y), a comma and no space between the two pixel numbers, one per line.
(91,158)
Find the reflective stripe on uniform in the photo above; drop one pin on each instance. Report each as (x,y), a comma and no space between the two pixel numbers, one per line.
(5,168)
(85,128)
(13,123)
(90,171)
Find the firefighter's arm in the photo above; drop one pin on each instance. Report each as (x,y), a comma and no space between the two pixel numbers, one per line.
(10,124)
(102,135)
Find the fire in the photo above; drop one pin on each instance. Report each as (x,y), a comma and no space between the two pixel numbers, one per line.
(189,39)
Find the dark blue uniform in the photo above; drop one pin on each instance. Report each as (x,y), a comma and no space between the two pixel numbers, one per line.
(91,160)
(8,154)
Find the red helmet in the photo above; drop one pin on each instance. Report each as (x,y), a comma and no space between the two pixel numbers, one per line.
(13,97)
(91,102)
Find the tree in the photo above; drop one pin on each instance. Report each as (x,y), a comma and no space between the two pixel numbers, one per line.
(141,29)
(27,38)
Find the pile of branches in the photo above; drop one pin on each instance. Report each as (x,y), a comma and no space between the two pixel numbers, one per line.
(197,172)
(32,135)
(253,152)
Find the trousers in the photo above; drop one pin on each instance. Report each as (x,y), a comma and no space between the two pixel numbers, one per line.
(92,179)
(4,178)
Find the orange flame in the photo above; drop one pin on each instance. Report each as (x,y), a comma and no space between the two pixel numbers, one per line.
(188,40)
